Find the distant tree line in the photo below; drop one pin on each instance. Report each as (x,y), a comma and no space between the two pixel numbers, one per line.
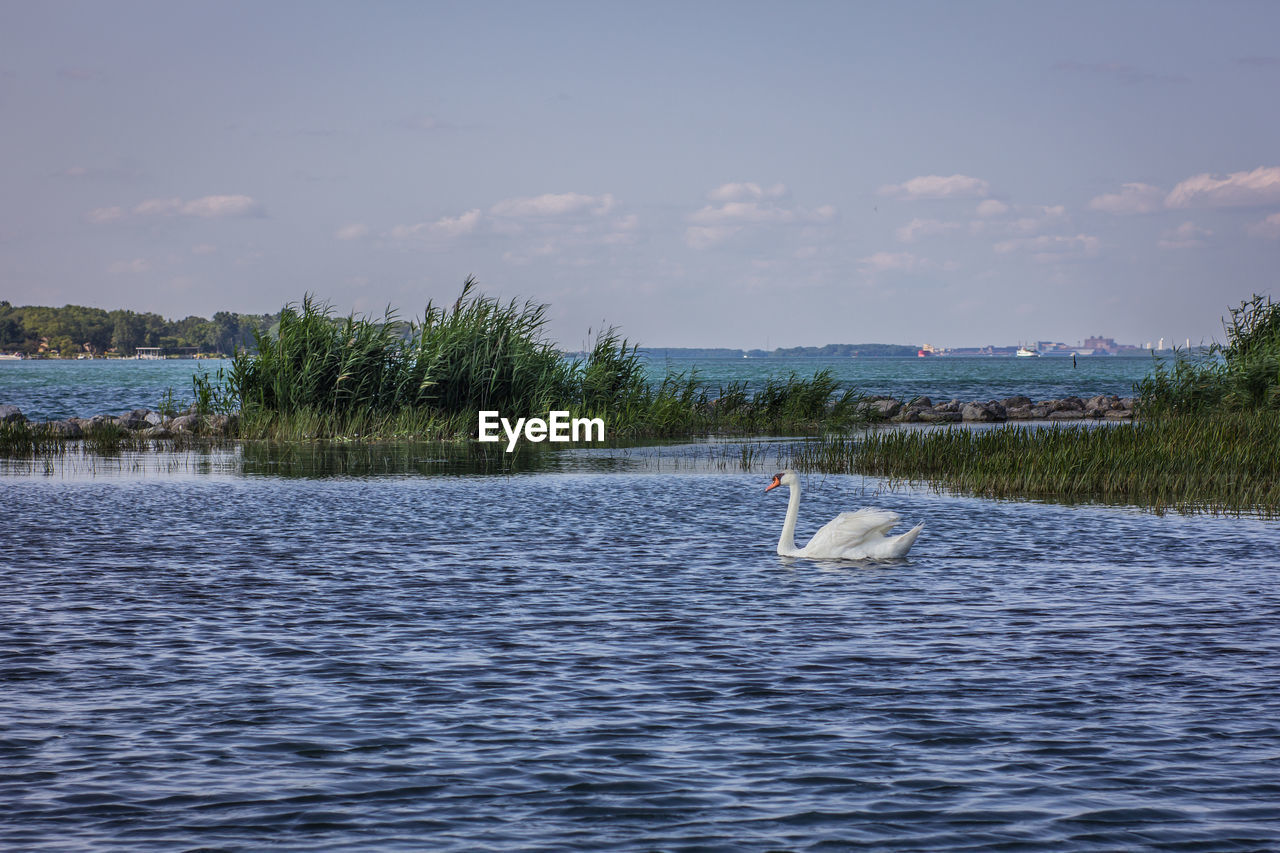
(75,329)
(846,351)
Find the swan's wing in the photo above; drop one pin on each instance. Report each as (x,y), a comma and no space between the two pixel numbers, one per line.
(850,529)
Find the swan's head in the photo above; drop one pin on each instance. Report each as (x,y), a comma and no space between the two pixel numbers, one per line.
(786,478)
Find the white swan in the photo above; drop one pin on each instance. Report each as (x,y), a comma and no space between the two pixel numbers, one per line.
(849,536)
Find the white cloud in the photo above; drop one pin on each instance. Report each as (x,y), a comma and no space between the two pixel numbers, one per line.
(891,262)
(1048,248)
(1238,189)
(1132,198)
(1268,229)
(742,212)
(207,207)
(938,186)
(352,231)
(1186,236)
(106,214)
(991,207)
(744,206)
(554,204)
(213,206)
(743,191)
(917,228)
(158,207)
(137,265)
(445,227)
(456,226)
(704,237)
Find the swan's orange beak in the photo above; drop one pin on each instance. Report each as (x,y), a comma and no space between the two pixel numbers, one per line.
(776,482)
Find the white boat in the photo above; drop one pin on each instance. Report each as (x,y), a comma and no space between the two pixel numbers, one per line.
(11,356)
(1024,352)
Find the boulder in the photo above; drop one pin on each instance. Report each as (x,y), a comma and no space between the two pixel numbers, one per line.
(1119,414)
(884,407)
(153,418)
(11,414)
(137,419)
(937,416)
(1016,402)
(1019,413)
(1102,403)
(1066,404)
(980,412)
(1067,415)
(949,406)
(62,429)
(909,415)
(922,402)
(1040,411)
(157,432)
(185,423)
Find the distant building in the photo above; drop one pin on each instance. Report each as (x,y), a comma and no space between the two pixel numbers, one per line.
(1107,345)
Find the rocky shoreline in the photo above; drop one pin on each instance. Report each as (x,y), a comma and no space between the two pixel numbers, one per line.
(924,410)
(148,423)
(142,423)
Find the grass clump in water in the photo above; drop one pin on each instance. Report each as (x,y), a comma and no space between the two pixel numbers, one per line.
(320,378)
(1241,375)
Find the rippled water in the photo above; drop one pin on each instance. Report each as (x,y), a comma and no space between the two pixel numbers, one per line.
(61,389)
(231,660)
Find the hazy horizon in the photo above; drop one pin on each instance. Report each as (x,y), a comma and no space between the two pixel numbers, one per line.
(700,175)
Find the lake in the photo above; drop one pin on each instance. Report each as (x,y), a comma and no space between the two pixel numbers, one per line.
(52,389)
(236,649)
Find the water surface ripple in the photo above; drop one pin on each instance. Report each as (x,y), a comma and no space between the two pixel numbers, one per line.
(621,662)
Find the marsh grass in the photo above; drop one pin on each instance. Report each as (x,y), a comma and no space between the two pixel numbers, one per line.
(1225,463)
(323,378)
(1241,375)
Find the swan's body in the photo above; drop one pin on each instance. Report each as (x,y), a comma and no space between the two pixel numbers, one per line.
(849,536)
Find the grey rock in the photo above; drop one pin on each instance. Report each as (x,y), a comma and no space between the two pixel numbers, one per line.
(910,415)
(134,420)
(934,416)
(1040,411)
(1119,415)
(922,402)
(62,429)
(950,406)
(157,432)
(1019,413)
(11,414)
(884,407)
(978,412)
(153,418)
(1069,404)
(1067,415)
(1017,402)
(221,424)
(185,423)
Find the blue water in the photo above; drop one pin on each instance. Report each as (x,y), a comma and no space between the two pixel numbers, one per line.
(48,389)
(198,656)
(51,389)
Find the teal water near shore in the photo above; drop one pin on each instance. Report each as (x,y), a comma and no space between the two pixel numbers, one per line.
(47,390)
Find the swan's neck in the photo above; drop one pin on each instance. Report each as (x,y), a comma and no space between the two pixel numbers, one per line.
(787,542)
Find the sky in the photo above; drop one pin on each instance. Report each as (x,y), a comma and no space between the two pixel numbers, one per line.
(733,174)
